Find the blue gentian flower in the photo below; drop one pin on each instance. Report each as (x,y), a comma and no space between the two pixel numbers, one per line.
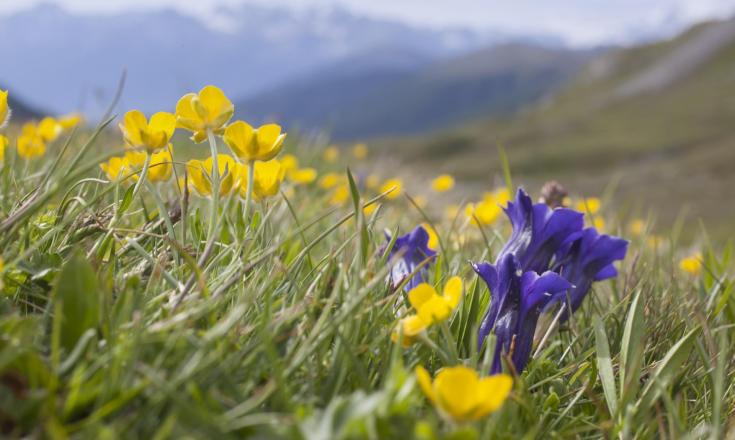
(538,231)
(586,257)
(411,250)
(517,299)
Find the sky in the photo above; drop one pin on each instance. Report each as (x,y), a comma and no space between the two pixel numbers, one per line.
(578,22)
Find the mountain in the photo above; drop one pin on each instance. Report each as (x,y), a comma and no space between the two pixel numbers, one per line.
(67,62)
(657,121)
(400,93)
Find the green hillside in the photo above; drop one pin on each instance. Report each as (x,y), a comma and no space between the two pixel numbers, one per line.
(658,119)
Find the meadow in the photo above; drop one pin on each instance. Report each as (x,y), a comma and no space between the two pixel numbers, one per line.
(251,283)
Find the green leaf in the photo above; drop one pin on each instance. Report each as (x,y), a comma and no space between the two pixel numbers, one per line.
(78,300)
(631,350)
(604,365)
(127,200)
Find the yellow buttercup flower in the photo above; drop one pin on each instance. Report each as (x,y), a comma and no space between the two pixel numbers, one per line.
(331,154)
(49,129)
(451,211)
(590,205)
(368,210)
(330,180)
(267,178)
(67,122)
(396,185)
(30,143)
(433,238)
(460,394)
(4,109)
(430,308)
(692,264)
(162,166)
(302,176)
(289,162)
(443,183)
(500,196)
(484,212)
(152,134)
(3,144)
(340,195)
(200,173)
(599,223)
(116,168)
(249,144)
(360,151)
(209,109)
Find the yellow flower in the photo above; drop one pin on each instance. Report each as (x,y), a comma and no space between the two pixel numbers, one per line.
(330,180)
(116,168)
(302,176)
(484,212)
(289,162)
(30,143)
(655,242)
(637,227)
(152,134)
(3,144)
(462,395)
(590,205)
(599,223)
(70,121)
(443,183)
(500,196)
(396,185)
(162,166)
(340,195)
(200,175)
(331,154)
(209,109)
(49,129)
(249,144)
(267,178)
(368,210)
(430,308)
(433,238)
(360,151)
(4,109)
(692,264)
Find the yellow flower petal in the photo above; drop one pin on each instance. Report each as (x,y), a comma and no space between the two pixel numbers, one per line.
(161,167)
(331,154)
(433,238)
(3,144)
(692,264)
(49,129)
(456,391)
(302,176)
(4,109)
(289,162)
(436,309)
(269,140)
(443,183)
(393,185)
(590,205)
(420,294)
(330,180)
(268,177)
(492,392)
(239,137)
(219,108)
(424,380)
(453,291)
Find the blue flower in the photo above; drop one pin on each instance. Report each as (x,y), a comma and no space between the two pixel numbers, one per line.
(538,231)
(584,258)
(517,299)
(410,251)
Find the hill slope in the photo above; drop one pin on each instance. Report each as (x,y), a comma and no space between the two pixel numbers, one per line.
(410,95)
(660,118)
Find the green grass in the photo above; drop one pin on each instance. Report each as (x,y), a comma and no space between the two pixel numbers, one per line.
(287,331)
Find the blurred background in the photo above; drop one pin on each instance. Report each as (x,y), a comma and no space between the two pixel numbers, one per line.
(630,98)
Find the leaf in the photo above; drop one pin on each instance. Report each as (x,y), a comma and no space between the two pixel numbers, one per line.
(667,369)
(78,300)
(631,350)
(604,365)
(127,200)
(359,218)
